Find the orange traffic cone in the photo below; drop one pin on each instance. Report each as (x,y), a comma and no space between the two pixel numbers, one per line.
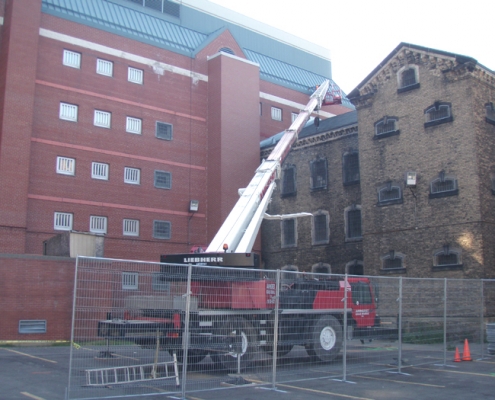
(466,354)
(457,357)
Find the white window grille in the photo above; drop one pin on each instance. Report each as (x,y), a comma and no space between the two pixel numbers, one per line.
(72,59)
(32,326)
(66,166)
(131,227)
(133,125)
(62,221)
(99,171)
(68,112)
(102,118)
(135,75)
(132,175)
(276,114)
(130,280)
(98,224)
(104,67)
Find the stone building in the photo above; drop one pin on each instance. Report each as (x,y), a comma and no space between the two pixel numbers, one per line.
(426,174)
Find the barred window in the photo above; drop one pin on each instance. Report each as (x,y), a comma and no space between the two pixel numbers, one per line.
(135,75)
(353,222)
(62,221)
(288,181)
(102,118)
(389,194)
(99,170)
(132,175)
(447,257)
(350,168)
(133,125)
(131,227)
(276,114)
(320,231)
(68,112)
(443,186)
(408,77)
(289,233)
(71,59)
(490,113)
(393,261)
(386,127)
(319,174)
(130,280)
(162,229)
(354,267)
(32,326)
(66,166)
(164,131)
(437,114)
(163,180)
(104,67)
(98,224)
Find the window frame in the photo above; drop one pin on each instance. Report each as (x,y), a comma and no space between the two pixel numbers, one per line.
(66,227)
(400,79)
(490,113)
(313,173)
(347,224)
(157,178)
(385,121)
(127,232)
(132,182)
(71,116)
(102,119)
(315,240)
(69,171)
(285,230)
(285,181)
(96,220)
(169,132)
(276,113)
(130,122)
(66,58)
(389,187)
(436,107)
(100,166)
(293,116)
(130,280)
(132,73)
(442,178)
(393,255)
(104,67)
(350,168)
(353,265)
(164,236)
(447,250)
(32,326)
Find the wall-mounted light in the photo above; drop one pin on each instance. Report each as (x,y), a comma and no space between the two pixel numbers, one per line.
(193,205)
(411,177)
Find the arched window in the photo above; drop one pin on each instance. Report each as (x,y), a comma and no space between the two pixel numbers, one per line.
(390,193)
(490,113)
(386,127)
(393,262)
(408,78)
(438,113)
(321,268)
(354,267)
(443,186)
(447,258)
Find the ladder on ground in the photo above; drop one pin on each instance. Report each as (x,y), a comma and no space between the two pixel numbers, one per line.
(132,374)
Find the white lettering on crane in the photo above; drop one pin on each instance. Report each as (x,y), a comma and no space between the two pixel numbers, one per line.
(202,259)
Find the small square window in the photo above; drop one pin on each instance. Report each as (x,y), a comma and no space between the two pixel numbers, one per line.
(32,326)
(72,59)
(133,125)
(276,114)
(163,180)
(135,75)
(132,175)
(102,119)
(68,112)
(62,221)
(131,227)
(66,166)
(104,67)
(130,280)
(162,230)
(98,224)
(164,131)
(99,171)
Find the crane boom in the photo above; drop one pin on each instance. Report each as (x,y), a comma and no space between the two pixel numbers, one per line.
(238,233)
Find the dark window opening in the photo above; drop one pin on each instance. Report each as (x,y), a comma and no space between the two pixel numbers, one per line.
(320,228)
(319,173)
(289,232)
(389,194)
(164,131)
(361,293)
(163,179)
(354,224)
(289,181)
(408,77)
(350,168)
(162,229)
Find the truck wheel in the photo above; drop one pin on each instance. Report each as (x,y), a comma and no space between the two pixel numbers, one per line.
(326,339)
(194,356)
(231,329)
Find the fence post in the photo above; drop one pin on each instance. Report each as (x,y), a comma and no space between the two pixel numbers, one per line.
(185,337)
(275,331)
(72,325)
(482,330)
(344,339)
(444,321)
(399,328)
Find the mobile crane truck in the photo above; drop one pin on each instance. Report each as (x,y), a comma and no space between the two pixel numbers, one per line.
(232,310)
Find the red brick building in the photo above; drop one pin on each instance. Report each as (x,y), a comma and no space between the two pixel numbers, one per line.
(115,114)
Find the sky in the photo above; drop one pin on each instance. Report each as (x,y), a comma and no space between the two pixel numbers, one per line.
(361,33)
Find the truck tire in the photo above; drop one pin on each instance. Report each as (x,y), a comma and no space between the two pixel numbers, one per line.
(228,360)
(326,339)
(194,356)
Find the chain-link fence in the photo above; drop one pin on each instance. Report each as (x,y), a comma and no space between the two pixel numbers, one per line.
(152,329)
